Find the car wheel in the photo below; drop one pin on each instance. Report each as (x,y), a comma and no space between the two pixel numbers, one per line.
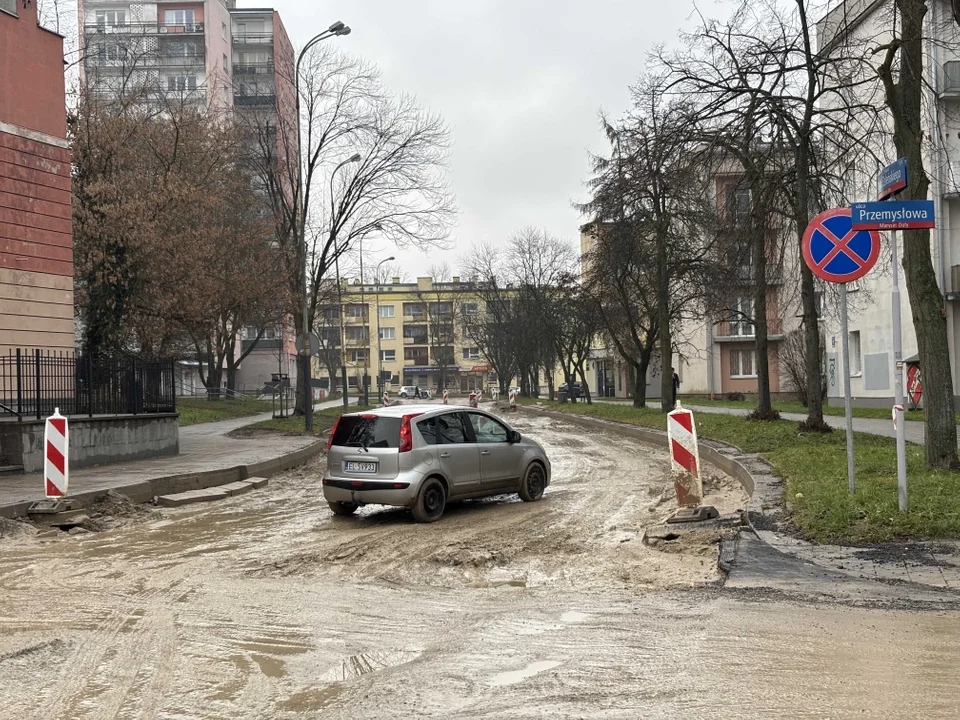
(343,508)
(534,483)
(403,395)
(431,501)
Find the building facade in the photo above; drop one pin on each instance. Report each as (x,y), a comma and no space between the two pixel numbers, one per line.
(36,241)
(870,332)
(404,334)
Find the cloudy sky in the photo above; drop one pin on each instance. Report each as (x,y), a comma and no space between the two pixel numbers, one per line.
(519,82)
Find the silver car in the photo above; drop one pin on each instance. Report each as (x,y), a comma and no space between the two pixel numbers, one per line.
(424,456)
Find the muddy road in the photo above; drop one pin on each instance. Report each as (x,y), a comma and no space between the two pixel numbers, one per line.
(267,606)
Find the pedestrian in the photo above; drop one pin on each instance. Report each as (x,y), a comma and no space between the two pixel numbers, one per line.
(416,393)
(676,387)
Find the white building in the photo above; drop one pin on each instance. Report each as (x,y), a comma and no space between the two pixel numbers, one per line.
(870,326)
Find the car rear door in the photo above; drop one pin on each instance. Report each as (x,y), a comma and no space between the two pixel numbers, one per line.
(459,455)
(499,459)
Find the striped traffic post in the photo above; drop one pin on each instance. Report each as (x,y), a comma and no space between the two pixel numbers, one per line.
(56,466)
(446,397)
(513,399)
(684,456)
(473,400)
(386,398)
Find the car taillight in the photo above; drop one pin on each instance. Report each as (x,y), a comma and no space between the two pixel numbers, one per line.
(333,431)
(406,433)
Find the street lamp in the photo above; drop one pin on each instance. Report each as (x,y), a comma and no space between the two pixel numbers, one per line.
(376,279)
(338,28)
(336,261)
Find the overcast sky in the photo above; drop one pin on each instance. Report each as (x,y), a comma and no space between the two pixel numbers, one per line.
(519,82)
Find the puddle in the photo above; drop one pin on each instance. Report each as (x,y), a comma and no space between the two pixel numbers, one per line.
(269,666)
(512,677)
(315,699)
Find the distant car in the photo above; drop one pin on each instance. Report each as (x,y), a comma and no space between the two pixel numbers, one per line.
(424,456)
(579,389)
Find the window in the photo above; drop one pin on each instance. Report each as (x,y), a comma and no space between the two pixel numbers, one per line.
(111,18)
(470,308)
(111,52)
(487,430)
(428,430)
(388,333)
(386,311)
(358,356)
(441,308)
(356,311)
(331,313)
(417,333)
(223,30)
(738,202)
(367,431)
(388,356)
(856,363)
(471,353)
(178,17)
(225,61)
(743,363)
(742,312)
(357,333)
(451,428)
(181,83)
(413,309)
(415,354)
(182,49)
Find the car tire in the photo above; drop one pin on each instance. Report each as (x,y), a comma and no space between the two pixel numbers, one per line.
(403,395)
(431,501)
(534,483)
(344,509)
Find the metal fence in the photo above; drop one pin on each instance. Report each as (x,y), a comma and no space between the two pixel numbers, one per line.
(34,382)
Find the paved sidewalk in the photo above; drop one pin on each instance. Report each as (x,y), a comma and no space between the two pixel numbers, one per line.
(204,448)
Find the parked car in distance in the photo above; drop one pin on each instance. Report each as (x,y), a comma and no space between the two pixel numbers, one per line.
(425,456)
(579,389)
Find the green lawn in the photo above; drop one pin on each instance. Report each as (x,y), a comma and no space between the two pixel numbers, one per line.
(794,406)
(814,468)
(322,421)
(200,410)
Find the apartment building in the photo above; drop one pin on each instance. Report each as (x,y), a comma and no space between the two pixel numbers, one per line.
(157,50)
(36,240)
(403,333)
(870,337)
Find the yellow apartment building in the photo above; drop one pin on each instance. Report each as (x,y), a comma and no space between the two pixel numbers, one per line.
(405,333)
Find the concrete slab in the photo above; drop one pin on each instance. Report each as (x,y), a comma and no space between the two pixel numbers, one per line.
(191,496)
(257,482)
(236,488)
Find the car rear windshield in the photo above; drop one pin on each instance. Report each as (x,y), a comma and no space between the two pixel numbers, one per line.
(370,432)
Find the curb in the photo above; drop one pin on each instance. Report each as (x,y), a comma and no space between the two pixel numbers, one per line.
(145,490)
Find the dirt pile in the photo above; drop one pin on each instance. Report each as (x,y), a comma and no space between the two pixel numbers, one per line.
(115,510)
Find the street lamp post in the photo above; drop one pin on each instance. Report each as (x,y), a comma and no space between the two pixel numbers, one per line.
(376,279)
(338,28)
(336,260)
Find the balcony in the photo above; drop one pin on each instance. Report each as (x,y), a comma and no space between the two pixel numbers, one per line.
(357,320)
(419,361)
(145,61)
(415,340)
(738,331)
(254,69)
(143,29)
(255,100)
(253,39)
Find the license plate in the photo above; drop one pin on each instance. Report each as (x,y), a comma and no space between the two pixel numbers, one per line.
(360,467)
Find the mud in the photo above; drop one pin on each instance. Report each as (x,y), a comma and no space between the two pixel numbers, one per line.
(267,606)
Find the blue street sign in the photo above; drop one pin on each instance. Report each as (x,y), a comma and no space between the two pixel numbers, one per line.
(835,251)
(892,179)
(893,215)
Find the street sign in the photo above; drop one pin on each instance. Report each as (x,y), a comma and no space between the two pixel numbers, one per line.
(837,253)
(896,215)
(892,179)
(311,347)
(914,384)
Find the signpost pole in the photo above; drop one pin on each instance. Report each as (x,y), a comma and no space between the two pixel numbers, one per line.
(847,405)
(898,374)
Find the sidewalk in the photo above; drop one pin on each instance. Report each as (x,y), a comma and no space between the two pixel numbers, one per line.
(207,458)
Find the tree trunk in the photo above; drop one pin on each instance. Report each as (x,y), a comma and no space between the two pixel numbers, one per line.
(663,320)
(926,301)
(586,387)
(764,407)
(640,382)
(302,369)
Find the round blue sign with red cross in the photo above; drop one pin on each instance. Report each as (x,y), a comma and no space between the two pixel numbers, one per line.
(836,252)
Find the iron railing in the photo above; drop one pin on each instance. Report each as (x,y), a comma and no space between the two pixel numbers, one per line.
(34,383)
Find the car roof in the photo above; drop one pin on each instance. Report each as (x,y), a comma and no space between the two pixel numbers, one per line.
(401,410)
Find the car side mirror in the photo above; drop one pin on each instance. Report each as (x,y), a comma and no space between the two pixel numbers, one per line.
(514,437)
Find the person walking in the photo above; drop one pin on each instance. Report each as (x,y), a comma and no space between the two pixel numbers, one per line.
(676,387)
(416,393)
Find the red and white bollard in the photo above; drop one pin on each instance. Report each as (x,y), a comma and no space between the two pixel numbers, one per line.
(56,470)
(513,399)
(446,397)
(386,398)
(685,456)
(473,400)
